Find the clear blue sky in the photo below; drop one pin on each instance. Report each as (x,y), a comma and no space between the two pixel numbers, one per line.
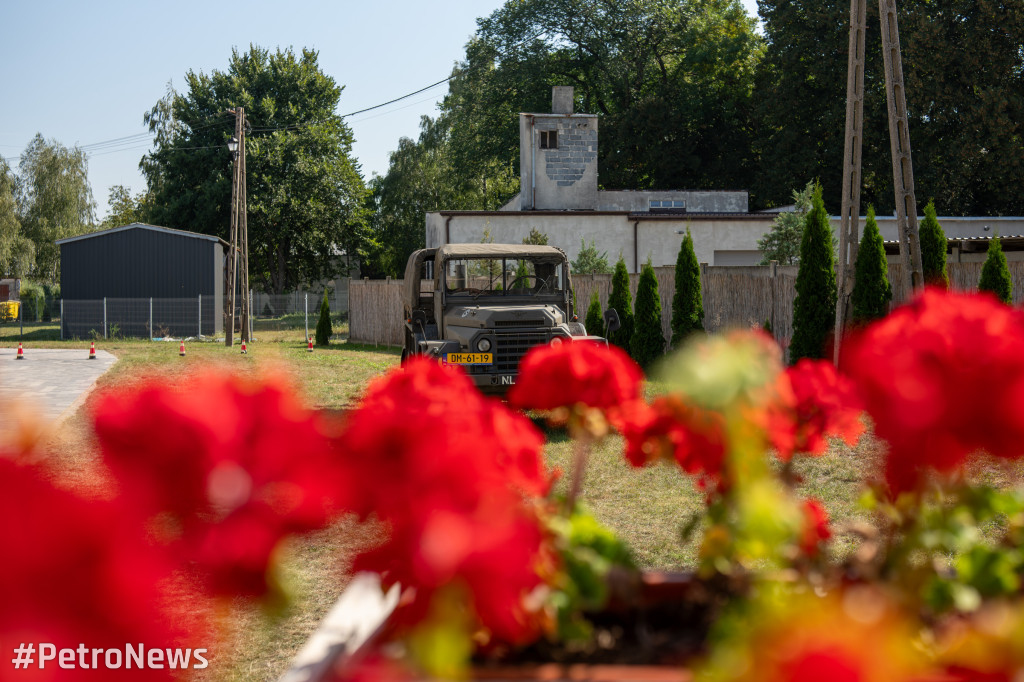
(85,72)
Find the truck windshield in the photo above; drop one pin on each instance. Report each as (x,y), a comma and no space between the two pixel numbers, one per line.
(504,277)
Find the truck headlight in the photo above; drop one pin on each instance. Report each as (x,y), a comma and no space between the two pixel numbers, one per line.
(556,341)
(483,345)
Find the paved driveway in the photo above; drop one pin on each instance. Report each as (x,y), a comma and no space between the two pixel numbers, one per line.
(54,381)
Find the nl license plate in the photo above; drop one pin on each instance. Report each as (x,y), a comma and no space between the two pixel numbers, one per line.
(469,358)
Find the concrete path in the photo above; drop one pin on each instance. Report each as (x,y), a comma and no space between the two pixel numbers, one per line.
(54,381)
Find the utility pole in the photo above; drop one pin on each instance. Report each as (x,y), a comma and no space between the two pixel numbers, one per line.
(238,258)
(850,218)
(899,141)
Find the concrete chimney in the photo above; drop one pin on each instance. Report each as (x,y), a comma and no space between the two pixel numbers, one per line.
(561,99)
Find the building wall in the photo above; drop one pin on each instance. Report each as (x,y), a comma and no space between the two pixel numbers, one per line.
(635,239)
(562,178)
(638,201)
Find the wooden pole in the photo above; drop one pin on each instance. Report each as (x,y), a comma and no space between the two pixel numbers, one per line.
(232,274)
(850,217)
(899,141)
(243,223)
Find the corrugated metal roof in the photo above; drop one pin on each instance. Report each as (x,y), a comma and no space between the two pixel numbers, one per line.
(143,226)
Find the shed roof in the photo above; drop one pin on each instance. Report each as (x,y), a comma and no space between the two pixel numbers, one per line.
(143,226)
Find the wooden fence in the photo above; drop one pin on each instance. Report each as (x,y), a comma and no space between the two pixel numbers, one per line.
(733,297)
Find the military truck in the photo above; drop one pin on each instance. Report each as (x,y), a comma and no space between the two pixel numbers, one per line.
(483,306)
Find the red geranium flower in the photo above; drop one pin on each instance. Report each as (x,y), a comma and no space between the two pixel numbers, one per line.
(576,373)
(942,377)
(670,428)
(76,572)
(816,528)
(824,403)
(228,466)
(447,469)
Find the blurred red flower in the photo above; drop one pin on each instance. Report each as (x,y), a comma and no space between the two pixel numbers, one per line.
(942,377)
(451,472)
(821,402)
(227,467)
(671,428)
(816,528)
(576,373)
(76,572)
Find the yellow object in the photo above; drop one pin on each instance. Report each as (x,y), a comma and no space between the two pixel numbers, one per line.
(9,310)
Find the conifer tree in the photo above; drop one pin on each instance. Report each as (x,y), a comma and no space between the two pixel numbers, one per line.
(647,343)
(995,274)
(622,301)
(594,321)
(814,310)
(323,325)
(933,249)
(687,303)
(871,289)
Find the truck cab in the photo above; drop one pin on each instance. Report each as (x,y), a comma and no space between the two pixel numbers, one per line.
(483,306)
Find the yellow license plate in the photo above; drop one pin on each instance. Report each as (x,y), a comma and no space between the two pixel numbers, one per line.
(469,358)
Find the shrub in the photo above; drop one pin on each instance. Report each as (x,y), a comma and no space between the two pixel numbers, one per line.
(594,321)
(32,301)
(814,310)
(687,303)
(323,325)
(590,261)
(622,301)
(933,249)
(995,274)
(647,343)
(871,290)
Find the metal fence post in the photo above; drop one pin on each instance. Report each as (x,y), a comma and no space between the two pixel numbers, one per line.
(150,318)
(307,315)
(21,318)
(62,319)
(104,317)
(200,316)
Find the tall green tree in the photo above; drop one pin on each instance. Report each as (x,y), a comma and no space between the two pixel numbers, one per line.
(871,289)
(306,199)
(648,342)
(782,242)
(423,176)
(687,302)
(621,300)
(964,75)
(933,248)
(17,252)
(594,321)
(125,208)
(672,80)
(995,273)
(814,310)
(590,261)
(55,200)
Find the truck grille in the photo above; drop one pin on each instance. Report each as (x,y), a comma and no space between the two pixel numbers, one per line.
(510,347)
(519,323)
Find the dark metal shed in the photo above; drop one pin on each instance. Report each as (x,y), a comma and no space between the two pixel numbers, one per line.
(109,278)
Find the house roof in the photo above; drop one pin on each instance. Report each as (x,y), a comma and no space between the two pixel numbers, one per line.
(143,226)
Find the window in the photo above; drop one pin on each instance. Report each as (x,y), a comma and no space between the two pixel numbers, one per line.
(549,139)
(666,204)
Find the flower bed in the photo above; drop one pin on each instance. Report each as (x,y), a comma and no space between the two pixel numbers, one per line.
(492,567)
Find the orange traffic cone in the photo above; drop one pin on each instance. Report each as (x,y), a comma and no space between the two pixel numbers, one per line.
(92,351)
(181,349)
(243,347)
(310,349)
(21,352)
